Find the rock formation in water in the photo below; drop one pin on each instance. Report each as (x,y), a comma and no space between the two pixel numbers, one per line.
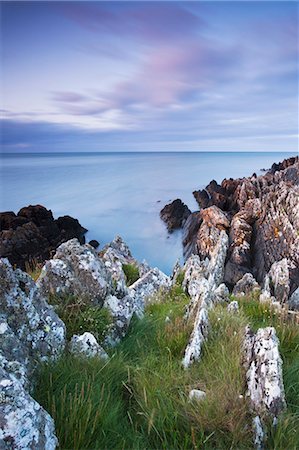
(260,214)
(31,235)
(175,214)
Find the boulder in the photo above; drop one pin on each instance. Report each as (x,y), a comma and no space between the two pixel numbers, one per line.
(87,345)
(280,280)
(33,234)
(247,285)
(76,270)
(175,214)
(233,307)
(24,423)
(197,395)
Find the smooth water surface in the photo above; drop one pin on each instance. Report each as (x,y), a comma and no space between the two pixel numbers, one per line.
(121,193)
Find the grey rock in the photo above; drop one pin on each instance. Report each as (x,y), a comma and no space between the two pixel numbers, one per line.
(233,307)
(293,302)
(87,345)
(280,280)
(221,294)
(247,285)
(76,270)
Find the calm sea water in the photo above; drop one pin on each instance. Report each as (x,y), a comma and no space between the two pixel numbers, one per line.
(121,193)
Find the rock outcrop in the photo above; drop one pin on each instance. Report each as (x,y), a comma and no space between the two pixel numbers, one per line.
(175,214)
(246,286)
(30,332)
(202,279)
(261,216)
(32,234)
(86,345)
(265,388)
(76,270)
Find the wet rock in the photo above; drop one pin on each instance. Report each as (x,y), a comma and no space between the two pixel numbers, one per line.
(87,345)
(197,395)
(175,214)
(24,423)
(247,285)
(76,270)
(33,234)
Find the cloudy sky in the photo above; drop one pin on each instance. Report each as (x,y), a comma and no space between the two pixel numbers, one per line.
(150,76)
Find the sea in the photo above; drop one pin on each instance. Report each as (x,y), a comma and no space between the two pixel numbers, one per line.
(122,193)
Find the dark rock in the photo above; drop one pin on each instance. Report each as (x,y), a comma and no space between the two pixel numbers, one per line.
(94,243)
(175,214)
(284,164)
(33,234)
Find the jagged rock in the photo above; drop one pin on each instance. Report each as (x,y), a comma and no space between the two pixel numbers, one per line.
(122,311)
(30,331)
(190,232)
(293,302)
(87,345)
(221,294)
(115,255)
(33,234)
(284,164)
(197,395)
(177,269)
(76,270)
(263,366)
(175,214)
(265,295)
(280,280)
(146,286)
(198,336)
(201,280)
(27,314)
(247,285)
(24,423)
(233,307)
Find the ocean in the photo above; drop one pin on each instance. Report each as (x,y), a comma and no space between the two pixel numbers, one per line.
(121,193)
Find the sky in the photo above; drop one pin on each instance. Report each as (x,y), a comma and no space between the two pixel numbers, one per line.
(149,76)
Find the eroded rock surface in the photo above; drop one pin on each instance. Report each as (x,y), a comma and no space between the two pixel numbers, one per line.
(76,270)
(30,332)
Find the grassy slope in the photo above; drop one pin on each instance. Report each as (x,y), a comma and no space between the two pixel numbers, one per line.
(139,399)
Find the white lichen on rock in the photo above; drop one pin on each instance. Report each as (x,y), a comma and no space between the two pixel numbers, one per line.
(87,345)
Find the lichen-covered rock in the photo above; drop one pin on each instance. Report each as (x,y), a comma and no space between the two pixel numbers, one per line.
(122,310)
(258,432)
(293,302)
(201,280)
(263,366)
(87,345)
(247,285)
(280,280)
(76,270)
(146,286)
(30,331)
(233,307)
(198,336)
(34,323)
(24,423)
(221,294)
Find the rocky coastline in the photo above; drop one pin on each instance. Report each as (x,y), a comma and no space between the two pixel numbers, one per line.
(242,242)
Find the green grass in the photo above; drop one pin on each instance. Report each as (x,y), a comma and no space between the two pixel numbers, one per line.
(79,316)
(131,272)
(139,398)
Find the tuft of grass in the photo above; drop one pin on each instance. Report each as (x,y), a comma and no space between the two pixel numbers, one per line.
(131,272)
(33,268)
(79,316)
